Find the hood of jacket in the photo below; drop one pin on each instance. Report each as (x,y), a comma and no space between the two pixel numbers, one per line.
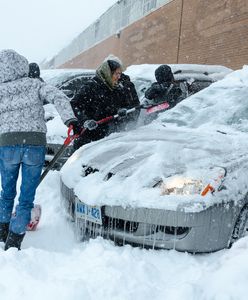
(164,74)
(105,74)
(12,66)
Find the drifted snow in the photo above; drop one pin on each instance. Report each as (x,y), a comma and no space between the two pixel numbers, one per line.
(52,265)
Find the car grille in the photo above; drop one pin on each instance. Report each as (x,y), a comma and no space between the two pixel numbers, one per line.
(121,231)
(124,232)
(119,224)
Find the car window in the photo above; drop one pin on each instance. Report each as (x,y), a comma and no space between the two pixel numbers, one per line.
(71,87)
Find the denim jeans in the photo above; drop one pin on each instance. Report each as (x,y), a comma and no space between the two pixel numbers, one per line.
(30,159)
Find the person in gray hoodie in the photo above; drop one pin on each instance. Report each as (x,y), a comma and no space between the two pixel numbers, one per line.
(23,140)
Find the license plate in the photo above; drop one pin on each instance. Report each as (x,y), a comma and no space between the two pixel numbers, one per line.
(88,212)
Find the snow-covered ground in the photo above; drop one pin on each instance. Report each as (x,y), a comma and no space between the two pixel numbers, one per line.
(52,265)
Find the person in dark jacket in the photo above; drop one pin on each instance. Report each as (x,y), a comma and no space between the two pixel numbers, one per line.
(129,98)
(23,140)
(165,89)
(99,98)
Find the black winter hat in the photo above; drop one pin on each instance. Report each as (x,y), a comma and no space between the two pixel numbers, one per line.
(164,74)
(113,65)
(34,70)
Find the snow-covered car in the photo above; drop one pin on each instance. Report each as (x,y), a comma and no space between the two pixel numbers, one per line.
(177,183)
(58,77)
(56,130)
(196,76)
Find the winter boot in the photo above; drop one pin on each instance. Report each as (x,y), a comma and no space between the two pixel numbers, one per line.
(14,240)
(4,230)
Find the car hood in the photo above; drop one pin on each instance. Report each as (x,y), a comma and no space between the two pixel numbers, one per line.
(125,169)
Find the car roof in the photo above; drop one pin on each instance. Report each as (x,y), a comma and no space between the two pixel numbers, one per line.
(181,71)
(58,77)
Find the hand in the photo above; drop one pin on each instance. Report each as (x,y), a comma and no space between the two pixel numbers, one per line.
(75,126)
(90,124)
(122,112)
(145,103)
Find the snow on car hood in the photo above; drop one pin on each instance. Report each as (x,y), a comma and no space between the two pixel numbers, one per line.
(130,164)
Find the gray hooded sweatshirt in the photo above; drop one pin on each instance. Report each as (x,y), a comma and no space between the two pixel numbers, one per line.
(21,103)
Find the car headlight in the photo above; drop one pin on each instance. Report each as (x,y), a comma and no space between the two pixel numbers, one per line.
(181,186)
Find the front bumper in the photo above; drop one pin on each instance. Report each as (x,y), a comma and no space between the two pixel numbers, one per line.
(205,231)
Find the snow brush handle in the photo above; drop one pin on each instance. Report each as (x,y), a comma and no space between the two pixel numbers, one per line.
(70,137)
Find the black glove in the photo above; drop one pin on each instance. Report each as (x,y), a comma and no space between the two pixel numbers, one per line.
(122,112)
(75,126)
(90,124)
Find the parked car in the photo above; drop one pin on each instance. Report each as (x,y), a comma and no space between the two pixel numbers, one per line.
(177,183)
(192,79)
(58,77)
(196,76)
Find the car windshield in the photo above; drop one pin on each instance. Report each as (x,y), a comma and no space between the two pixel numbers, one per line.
(223,103)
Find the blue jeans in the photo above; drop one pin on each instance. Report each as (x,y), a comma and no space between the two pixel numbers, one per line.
(31,159)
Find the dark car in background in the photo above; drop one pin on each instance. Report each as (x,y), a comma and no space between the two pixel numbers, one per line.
(58,77)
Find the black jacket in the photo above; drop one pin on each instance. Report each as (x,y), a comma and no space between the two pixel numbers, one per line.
(96,100)
(170,92)
(128,96)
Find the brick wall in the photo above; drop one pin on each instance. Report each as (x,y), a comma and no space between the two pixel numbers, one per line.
(183,31)
(214,32)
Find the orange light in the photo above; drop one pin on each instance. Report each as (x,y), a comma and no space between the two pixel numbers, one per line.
(207,189)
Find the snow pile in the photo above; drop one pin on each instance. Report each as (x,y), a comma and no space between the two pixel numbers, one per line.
(52,265)
(223,103)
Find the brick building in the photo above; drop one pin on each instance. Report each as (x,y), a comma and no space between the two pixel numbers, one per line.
(162,31)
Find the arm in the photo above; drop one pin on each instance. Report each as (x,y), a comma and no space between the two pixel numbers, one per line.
(156,90)
(83,104)
(59,99)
